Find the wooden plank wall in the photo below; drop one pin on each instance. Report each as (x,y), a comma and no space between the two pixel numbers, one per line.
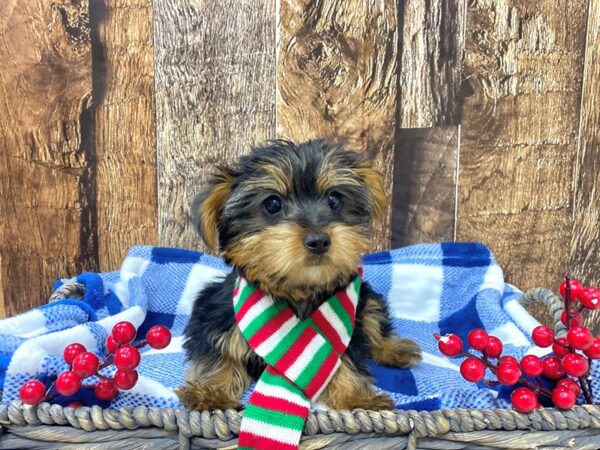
(483,117)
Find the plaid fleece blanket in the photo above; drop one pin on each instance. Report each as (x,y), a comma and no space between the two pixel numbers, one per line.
(430,288)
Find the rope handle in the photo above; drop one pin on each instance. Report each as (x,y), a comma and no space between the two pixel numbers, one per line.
(551,301)
(68,290)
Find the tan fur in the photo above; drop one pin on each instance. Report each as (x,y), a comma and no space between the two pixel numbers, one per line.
(348,389)
(276,179)
(331,175)
(387,350)
(272,258)
(211,209)
(219,385)
(374,183)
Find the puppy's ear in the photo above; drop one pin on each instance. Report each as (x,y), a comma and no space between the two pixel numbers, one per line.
(374,183)
(208,206)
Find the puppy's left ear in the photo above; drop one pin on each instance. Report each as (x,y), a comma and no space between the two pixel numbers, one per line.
(374,183)
(208,207)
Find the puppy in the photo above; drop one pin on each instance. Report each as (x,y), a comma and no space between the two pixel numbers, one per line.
(293,220)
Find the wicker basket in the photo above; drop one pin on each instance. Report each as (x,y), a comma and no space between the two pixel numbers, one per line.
(49,426)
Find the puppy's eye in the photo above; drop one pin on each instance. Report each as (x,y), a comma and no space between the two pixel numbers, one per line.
(334,200)
(273,204)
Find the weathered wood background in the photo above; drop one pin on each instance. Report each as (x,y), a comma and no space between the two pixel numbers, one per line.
(483,116)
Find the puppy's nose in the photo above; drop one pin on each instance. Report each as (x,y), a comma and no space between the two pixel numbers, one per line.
(317,243)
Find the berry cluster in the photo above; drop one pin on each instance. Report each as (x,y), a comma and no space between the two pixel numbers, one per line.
(121,351)
(569,365)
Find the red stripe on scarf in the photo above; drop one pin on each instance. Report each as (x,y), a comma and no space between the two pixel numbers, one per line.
(330,333)
(270,327)
(246,439)
(347,304)
(278,404)
(321,376)
(252,300)
(292,354)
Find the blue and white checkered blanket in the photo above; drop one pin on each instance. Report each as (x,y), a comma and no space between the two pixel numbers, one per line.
(431,288)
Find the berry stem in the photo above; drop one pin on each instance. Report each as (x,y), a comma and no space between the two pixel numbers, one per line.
(536,388)
(583,382)
(568,300)
(572,316)
(557,342)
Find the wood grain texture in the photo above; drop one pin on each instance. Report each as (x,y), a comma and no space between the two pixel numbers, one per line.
(45,190)
(432,51)
(215,97)
(337,77)
(585,242)
(123,93)
(524,63)
(424,198)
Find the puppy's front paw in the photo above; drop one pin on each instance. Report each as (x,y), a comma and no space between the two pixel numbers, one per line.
(397,352)
(380,402)
(198,396)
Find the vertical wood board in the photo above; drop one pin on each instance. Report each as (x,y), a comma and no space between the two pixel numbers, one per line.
(424,185)
(215,97)
(432,52)
(123,94)
(585,243)
(337,77)
(46,177)
(519,130)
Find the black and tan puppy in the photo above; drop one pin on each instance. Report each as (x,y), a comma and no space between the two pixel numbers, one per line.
(294,220)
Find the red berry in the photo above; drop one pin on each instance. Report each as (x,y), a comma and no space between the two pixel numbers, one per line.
(111,345)
(71,351)
(123,332)
(472,370)
(561,347)
(68,383)
(542,336)
(576,318)
(127,358)
(478,339)
(575,365)
(576,287)
(75,404)
(158,337)
(493,349)
(563,398)
(450,345)
(507,359)
(590,298)
(125,380)
(86,364)
(553,368)
(593,351)
(569,384)
(532,366)
(580,338)
(32,392)
(508,373)
(105,389)
(524,400)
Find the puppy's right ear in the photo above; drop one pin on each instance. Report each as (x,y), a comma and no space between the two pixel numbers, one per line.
(208,207)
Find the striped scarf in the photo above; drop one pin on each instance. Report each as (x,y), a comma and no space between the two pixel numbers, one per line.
(301,355)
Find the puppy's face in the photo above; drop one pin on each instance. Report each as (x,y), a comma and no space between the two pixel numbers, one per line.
(293,218)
